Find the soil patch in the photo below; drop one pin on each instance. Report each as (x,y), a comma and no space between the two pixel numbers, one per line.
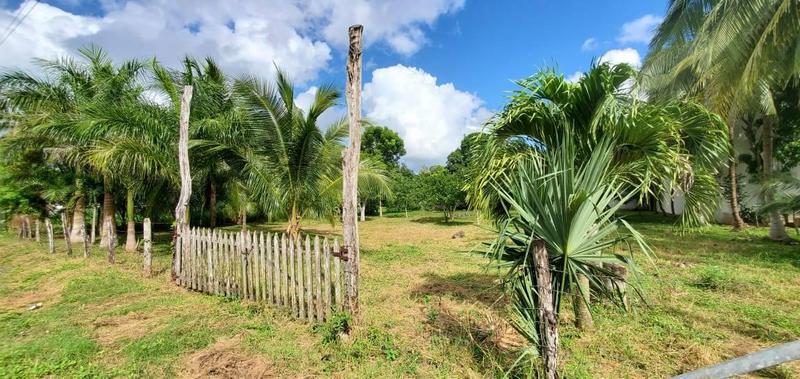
(226,359)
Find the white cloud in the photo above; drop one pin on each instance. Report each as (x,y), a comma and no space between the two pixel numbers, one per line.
(430,117)
(397,22)
(589,44)
(640,30)
(244,36)
(627,55)
(577,75)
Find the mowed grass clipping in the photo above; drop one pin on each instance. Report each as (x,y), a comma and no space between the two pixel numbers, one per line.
(431,308)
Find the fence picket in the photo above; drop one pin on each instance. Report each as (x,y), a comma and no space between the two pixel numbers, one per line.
(337,282)
(268,269)
(301,293)
(309,293)
(318,284)
(295,272)
(326,280)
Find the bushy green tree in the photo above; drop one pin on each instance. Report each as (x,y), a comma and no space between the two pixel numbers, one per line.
(384,144)
(441,191)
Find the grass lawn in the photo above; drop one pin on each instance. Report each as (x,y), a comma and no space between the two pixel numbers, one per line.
(430,309)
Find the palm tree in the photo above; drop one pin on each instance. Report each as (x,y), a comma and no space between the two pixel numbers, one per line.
(569,202)
(292,166)
(726,52)
(659,147)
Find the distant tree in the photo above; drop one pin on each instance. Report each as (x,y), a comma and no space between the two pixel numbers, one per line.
(462,156)
(442,191)
(384,144)
(407,192)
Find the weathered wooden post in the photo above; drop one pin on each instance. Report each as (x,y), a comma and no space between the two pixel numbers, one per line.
(548,322)
(186,176)
(94,224)
(352,155)
(66,229)
(86,244)
(148,248)
(51,244)
(112,242)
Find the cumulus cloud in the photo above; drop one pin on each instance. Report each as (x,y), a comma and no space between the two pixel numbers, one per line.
(640,30)
(245,36)
(430,117)
(627,55)
(577,75)
(399,23)
(589,44)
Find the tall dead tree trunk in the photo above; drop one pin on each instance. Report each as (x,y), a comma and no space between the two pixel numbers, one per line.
(777,229)
(350,169)
(548,322)
(147,236)
(736,215)
(66,230)
(186,177)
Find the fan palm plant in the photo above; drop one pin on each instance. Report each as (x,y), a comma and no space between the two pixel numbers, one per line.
(569,203)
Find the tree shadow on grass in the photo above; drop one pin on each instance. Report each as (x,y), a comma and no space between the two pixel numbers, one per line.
(472,287)
(440,221)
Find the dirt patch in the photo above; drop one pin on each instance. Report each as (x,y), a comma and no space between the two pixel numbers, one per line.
(109,330)
(47,295)
(225,359)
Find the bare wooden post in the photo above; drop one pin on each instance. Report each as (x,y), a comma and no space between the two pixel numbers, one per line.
(94,223)
(112,242)
(185,172)
(148,248)
(66,230)
(350,170)
(85,237)
(547,315)
(51,245)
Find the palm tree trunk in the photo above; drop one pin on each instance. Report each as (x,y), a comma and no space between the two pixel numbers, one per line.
(130,236)
(108,214)
(777,230)
(212,203)
(363,211)
(78,219)
(736,217)
(583,316)
(94,224)
(380,207)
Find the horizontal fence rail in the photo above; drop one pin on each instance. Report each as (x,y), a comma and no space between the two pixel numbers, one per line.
(303,275)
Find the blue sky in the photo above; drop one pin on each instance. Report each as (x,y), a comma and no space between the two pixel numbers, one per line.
(433,69)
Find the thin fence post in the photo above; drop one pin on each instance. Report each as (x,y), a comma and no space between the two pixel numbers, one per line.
(112,243)
(51,245)
(291,275)
(276,273)
(148,247)
(66,230)
(284,274)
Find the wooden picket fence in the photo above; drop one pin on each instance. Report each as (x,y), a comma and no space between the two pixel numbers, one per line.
(303,275)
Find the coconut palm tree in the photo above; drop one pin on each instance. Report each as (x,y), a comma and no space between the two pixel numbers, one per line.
(726,52)
(293,166)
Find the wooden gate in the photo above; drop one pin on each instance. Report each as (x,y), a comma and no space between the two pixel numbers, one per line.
(302,275)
